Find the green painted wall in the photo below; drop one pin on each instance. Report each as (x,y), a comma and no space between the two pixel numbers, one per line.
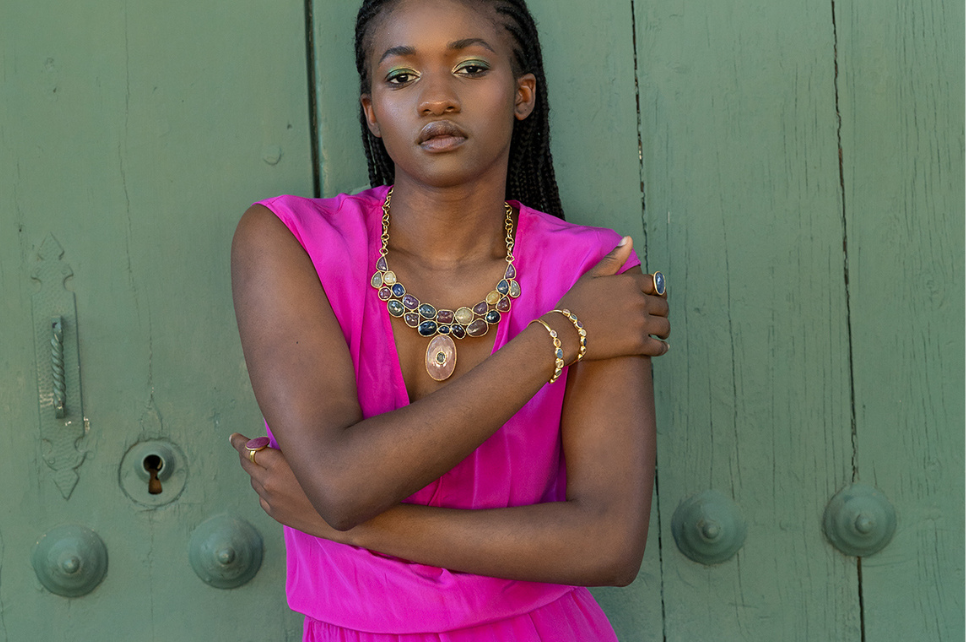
(795,168)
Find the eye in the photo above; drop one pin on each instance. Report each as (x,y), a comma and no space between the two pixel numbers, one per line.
(401,76)
(472,68)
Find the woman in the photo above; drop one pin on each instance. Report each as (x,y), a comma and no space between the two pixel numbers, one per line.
(441,473)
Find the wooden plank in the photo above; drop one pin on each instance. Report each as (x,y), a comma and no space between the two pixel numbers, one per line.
(743,213)
(901,97)
(137,133)
(342,162)
(593,100)
(594,121)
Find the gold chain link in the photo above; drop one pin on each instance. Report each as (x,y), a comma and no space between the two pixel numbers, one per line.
(385,229)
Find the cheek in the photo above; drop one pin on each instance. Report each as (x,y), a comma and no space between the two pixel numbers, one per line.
(395,134)
(387,115)
(501,107)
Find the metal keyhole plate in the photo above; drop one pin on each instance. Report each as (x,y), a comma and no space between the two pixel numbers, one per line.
(153,473)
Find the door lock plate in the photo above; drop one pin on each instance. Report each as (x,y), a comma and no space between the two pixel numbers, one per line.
(153,473)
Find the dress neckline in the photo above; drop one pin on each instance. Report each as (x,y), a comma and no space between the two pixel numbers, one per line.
(401,393)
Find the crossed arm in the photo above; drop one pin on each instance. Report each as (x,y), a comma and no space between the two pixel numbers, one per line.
(341,477)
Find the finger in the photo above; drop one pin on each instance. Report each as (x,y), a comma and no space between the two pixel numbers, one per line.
(265,458)
(657,306)
(238,442)
(649,287)
(614,260)
(655,347)
(659,327)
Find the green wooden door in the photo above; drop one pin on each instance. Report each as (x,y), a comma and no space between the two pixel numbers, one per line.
(794,168)
(132,136)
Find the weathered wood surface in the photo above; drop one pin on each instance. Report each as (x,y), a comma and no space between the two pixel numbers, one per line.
(137,133)
(743,212)
(597,162)
(342,162)
(901,96)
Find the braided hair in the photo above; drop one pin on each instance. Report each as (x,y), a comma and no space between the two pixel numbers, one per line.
(530,175)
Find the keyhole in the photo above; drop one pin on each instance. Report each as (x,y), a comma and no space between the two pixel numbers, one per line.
(153,464)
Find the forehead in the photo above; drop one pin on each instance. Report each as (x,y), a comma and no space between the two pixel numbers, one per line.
(434,24)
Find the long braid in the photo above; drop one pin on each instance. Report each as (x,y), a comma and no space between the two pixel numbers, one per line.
(530,175)
(531,178)
(382,170)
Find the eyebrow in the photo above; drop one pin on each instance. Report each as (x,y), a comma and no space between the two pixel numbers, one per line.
(456,45)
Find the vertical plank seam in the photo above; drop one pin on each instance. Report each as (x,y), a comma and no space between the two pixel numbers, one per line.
(640,160)
(848,306)
(3,625)
(313,99)
(640,139)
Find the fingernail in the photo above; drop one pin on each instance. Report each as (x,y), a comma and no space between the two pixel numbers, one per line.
(623,241)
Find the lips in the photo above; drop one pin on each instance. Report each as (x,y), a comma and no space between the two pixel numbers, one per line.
(440,135)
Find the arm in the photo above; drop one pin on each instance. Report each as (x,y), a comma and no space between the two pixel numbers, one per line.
(354,469)
(600,530)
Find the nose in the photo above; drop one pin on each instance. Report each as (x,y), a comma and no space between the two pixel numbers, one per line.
(438,97)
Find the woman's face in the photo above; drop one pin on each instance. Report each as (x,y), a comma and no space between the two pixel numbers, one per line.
(444,97)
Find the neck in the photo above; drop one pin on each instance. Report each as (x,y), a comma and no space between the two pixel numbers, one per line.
(448,227)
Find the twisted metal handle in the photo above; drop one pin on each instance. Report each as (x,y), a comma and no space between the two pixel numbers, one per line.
(57,366)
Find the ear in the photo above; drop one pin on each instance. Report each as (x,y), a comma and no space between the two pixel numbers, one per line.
(366,101)
(526,98)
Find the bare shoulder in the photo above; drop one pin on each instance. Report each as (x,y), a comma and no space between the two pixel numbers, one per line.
(259,230)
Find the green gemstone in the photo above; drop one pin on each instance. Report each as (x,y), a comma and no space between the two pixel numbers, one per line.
(396,308)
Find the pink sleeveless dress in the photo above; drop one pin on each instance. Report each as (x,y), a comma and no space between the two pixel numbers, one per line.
(352,594)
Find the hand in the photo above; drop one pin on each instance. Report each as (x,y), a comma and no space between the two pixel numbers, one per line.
(620,312)
(279,492)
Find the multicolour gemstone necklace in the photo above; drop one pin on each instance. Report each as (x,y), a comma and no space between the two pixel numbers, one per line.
(444,325)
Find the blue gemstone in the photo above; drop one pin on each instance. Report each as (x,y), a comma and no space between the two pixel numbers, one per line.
(427,328)
(398,290)
(503,287)
(443,329)
(660,285)
(396,308)
(492,317)
(427,311)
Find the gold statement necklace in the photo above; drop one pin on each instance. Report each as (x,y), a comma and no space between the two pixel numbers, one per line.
(444,325)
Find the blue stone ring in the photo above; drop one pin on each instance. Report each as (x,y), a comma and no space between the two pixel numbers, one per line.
(660,285)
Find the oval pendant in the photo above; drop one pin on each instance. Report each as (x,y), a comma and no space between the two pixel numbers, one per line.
(441,357)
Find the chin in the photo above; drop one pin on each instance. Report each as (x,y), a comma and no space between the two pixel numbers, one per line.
(456,173)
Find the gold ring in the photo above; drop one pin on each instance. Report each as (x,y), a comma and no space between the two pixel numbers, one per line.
(254,445)
(660,283)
